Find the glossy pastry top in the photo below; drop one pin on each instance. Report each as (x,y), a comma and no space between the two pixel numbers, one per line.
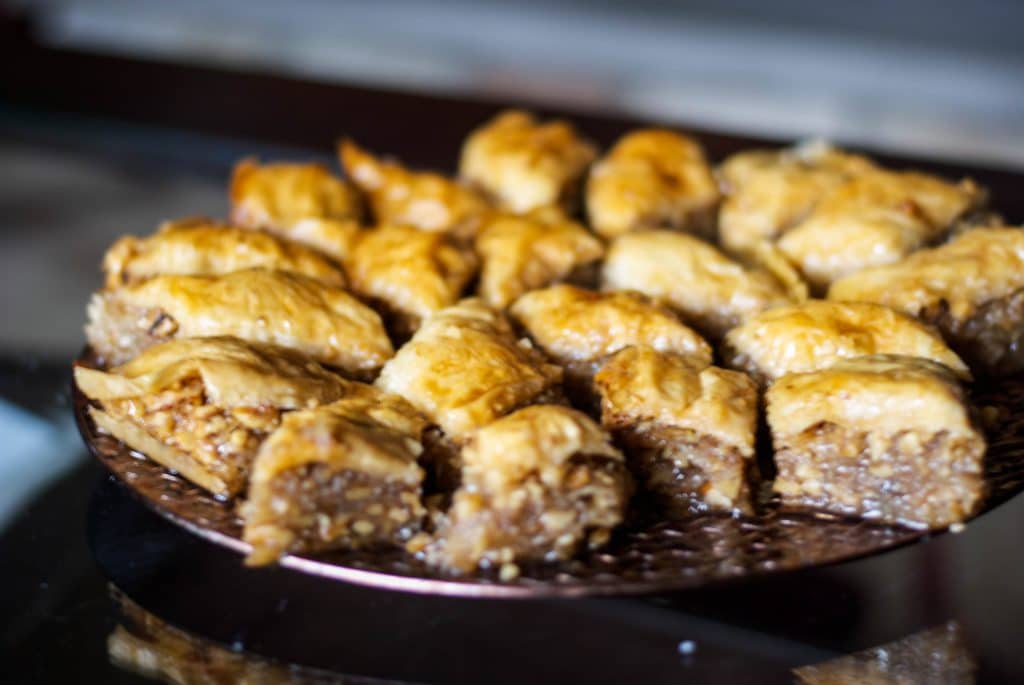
(885,394)
(572,324)
(464,368)
(333,237)
(641,385)
(413,272)
(281,195)
(977,266)
(710,290)
(270,306)
(426,200)
(769,191)
(816,334)
(371,432)
(202,247)
(524,163)
(651,178)
(877,218)
(522,253)
(234,374)
(538,440)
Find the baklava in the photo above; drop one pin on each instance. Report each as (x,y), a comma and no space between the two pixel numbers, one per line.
(580,328)
(202,406)
(689,431)
(257,305)
(341,476)
(876,218)
(399,196)
(465,367)
(523,253)
(815,334)
(204,247)
(652,178)
(538,484)
(768,192)
(886,438)
(302,202)
(711,291)
(971,289)
(408,273)
(524,164)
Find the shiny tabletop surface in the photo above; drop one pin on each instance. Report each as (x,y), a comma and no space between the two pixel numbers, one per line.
(83,565)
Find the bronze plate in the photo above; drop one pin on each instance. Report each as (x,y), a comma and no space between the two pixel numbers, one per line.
(661,557)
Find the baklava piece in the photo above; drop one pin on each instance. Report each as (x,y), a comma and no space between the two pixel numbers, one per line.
(874,219)
(204,247)
(523,253)
(886,438)
(652,178)
(816,334)
(409,274)
(341,476)
(689,431)
(398,196)
(525,164)
(710,290)
(202,406)
(768,192)
(580,328)
(302,202)
(971,289)
(464,368)
(538,484)
(255,305)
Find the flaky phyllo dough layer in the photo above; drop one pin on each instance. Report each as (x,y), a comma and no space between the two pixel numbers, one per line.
(257,305)
(202,406)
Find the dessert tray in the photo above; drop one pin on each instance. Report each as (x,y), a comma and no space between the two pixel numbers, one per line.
(562,372)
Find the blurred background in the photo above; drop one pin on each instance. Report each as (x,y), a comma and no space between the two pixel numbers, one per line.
(937,77)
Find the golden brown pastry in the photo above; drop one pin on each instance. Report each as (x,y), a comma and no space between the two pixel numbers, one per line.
(426,200)
(301,202)
(767,192)
(202,406)
(340,476)
(524,164)
(256,305)
(409,273)
(971,289)
(580,328)
(537,484)
(652,178)
(523,253)
(883,437)
(464,368)
(816,334)
(711,291)
(689,430)
(874,219)
(204,247)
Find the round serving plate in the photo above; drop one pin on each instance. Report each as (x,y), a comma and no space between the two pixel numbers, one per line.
(659,557)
